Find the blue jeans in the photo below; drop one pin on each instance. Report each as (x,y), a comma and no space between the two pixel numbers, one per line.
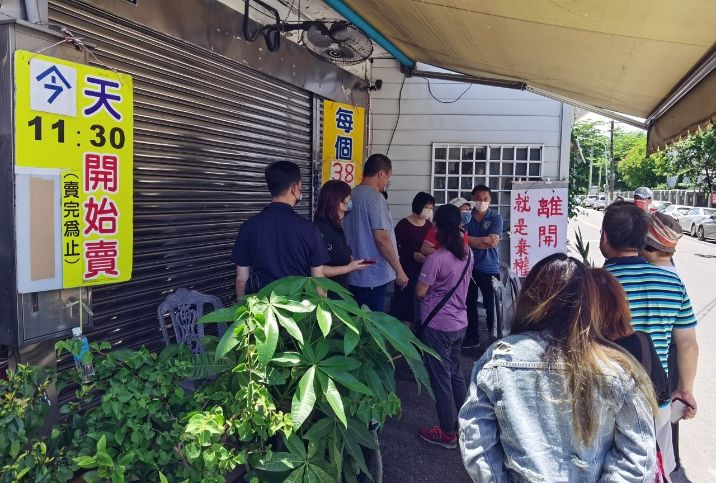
(373,297)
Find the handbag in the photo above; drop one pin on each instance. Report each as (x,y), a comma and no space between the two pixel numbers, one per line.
(420,327)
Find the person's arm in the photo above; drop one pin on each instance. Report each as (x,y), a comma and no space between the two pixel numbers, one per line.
(387,250)
(330,272)
(687,354)
(421,290)
(480,445)
(427,248)
(242,276)
(483,242)
(632,457)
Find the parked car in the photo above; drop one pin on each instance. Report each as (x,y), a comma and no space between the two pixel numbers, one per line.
(589,201)
(659,206)
(675,211)
(601,203)
(692,219)
(707,229)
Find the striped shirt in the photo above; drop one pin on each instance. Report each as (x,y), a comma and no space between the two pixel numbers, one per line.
(657,300)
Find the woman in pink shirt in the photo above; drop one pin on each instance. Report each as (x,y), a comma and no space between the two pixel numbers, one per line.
(442,286)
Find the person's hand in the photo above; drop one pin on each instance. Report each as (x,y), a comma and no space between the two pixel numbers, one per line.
(402,279)
(494,240)
(356,265)
(689,399)
(418,257)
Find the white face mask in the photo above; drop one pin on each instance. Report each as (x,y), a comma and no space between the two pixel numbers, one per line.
(427,214)
(482,206)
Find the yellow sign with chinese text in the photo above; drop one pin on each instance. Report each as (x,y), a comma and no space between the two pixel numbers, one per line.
(77,121)
(343,138)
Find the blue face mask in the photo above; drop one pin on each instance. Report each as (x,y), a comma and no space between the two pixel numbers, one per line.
(350,205)
(466,217)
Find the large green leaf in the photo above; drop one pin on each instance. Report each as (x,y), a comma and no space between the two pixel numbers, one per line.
(333,397)
(316,474)
(226,314)
(303,307)
(304,398)
(288,286)
(355,450)
(267,348)
(360,433)
(375,383)
(320,429)
(325,319)
(290,326)
(396,333)
(287,359)
(280,461)
(347,380)
(205,365)
(350,341)
(421,375)
(296,476)
(229,340)
(341,363)
(295,446)
(379,340)
(331,286)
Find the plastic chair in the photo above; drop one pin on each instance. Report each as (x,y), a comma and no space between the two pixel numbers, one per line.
(185,307)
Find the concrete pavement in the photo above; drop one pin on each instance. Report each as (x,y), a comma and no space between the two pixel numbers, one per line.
(696,263)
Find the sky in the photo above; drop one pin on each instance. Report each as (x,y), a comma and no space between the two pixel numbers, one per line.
(591,116)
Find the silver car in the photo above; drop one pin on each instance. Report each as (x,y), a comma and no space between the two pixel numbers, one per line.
(707,229)
(675,211)
(693,218)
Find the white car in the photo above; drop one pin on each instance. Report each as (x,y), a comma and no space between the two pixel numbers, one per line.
(589,201)
(601,203)
(692,219)
(675,211)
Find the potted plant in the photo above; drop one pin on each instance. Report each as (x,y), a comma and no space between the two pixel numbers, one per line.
(312,374)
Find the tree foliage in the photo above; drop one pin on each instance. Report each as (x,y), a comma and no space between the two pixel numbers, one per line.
(694,159)
(637,169)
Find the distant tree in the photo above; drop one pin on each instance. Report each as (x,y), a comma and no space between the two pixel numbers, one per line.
(637,169)
(695,158)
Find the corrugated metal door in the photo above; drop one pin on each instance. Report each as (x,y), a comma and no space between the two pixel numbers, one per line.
(205,128)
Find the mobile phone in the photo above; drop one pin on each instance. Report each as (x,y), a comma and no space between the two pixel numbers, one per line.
(369,262)
(678,406)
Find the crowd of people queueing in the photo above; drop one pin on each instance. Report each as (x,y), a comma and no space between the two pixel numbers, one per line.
(579,391)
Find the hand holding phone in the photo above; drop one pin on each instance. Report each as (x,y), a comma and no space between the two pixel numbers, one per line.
(369,261)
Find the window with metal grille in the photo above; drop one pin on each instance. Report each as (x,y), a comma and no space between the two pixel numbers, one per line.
(457,168)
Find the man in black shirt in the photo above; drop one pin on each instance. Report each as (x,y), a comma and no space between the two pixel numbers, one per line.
(278,242)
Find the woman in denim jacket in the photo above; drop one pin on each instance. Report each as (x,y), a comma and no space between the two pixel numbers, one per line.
(555,401)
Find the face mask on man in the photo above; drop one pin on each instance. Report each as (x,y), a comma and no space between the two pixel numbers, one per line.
(300,195)
(466,217)
(482,206)
(427,214)
(350,205)
(643,204)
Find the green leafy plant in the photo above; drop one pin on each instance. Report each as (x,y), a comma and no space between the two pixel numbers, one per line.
(26,454)
(582,248)
(320,370)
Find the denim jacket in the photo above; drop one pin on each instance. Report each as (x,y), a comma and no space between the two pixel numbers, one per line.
(516,424)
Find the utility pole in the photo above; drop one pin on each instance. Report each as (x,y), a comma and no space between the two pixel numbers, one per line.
(610,179)
(599,180)
(591,167)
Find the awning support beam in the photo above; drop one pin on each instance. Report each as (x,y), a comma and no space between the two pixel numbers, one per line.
(349,14)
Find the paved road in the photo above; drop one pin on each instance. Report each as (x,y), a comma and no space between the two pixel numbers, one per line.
(696,262)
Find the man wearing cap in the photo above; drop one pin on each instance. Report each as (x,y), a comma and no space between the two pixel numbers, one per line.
(484,230)
(430,244)
(643,197)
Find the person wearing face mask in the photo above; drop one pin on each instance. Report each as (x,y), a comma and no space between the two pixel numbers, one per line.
(334,201)
(261,252)
(409,234)
(369,231)
(430,243)
(643,197)
(484,229)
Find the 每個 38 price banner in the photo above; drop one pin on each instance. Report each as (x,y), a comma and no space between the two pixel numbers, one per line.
(343,137)
(77,121)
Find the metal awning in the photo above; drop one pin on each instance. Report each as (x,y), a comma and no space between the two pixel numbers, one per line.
(653,59)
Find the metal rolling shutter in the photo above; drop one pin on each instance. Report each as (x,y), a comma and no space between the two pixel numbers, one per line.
(205,128)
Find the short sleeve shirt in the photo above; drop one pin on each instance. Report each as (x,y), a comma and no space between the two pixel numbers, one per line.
(370,212)
(657,298)
(273,251)
(487,260)
(441,272)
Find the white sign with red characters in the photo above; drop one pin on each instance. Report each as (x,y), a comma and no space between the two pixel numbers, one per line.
(538,223)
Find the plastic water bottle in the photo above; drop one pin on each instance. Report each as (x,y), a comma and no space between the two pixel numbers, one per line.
(85,370)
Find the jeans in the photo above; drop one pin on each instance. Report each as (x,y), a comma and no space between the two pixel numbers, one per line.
(446,377)
(373,297)
(483,282)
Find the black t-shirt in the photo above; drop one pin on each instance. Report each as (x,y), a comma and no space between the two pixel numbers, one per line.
(338,250)
(632,344)
(277,243)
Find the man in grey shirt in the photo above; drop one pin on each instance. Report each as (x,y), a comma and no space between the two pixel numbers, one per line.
(369,231)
